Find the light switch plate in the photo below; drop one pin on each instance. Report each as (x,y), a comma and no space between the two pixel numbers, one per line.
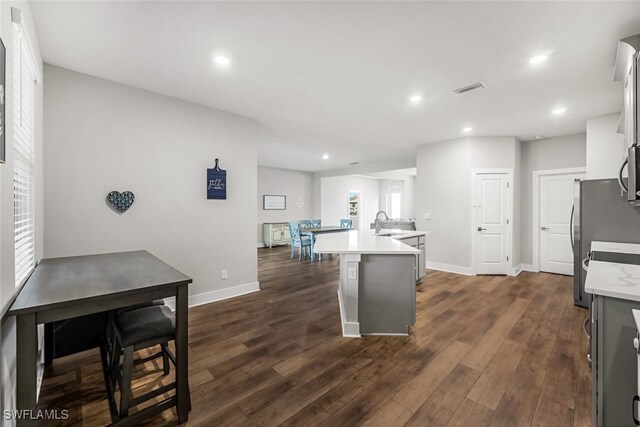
(353,273)
(427,216)
(224,274)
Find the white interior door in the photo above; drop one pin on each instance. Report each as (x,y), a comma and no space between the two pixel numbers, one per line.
(554,234)
(492,223)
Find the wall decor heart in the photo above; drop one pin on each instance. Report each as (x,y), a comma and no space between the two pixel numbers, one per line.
(120,202)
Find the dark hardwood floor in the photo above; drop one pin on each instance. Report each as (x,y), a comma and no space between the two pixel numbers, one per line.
(496,351)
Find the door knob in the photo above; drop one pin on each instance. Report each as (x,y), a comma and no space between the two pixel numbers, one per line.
(544,228)
(482,229)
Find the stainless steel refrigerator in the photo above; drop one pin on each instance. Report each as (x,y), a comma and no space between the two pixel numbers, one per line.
(601,213)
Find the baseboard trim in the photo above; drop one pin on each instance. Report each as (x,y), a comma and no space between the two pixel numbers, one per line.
(467,271)
(522,267)
(349,329)
(517,270)
(218,295)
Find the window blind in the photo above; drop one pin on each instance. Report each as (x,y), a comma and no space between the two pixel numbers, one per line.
(23,157)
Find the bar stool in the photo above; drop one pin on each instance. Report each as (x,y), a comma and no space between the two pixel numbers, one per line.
(107,353)
(132,330)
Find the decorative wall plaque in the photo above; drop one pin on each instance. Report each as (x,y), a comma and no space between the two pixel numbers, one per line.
(216,183)
(120,202)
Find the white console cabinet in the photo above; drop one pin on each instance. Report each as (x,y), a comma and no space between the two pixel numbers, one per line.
(275,233)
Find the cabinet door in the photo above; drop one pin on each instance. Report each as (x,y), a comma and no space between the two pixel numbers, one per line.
(276,235)
(266,234)
(286,235)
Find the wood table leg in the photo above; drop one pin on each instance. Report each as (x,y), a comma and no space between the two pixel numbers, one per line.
(182,353)
(26,366)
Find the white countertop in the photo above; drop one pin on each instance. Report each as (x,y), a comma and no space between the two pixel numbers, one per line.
(363,243)
(396,233)
(612,279)
(625,248)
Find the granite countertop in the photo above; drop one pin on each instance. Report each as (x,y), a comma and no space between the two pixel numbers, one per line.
(364,243)
(614,279)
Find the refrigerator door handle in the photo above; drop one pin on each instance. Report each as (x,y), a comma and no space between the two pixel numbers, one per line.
(573,209)
(584,327)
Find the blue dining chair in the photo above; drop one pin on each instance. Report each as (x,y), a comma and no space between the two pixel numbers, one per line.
(298,240)
(345,223)
(315,223)
(305,223)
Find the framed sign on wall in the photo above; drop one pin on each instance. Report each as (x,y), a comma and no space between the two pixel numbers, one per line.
(274,203)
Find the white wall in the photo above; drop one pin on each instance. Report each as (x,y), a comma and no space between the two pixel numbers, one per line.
(409,197)
(364,169)
(296,185)
(407,189)
(606,149)
(103,136)
(7,261)
(384,186)
(552,153)
(335,196)
(443,189)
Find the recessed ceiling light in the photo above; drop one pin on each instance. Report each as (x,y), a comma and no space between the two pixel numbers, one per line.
(415,98)
(221,60)
(539,137)
(467,129)
(538,59)
(558,111)
(325,156)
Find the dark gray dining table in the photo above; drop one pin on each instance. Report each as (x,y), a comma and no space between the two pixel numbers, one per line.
(64,288)
(312,232)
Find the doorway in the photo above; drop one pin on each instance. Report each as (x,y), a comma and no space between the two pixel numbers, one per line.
(551,225)
(354,208)
(492,209)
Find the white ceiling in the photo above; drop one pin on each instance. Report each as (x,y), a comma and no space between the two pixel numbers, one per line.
(334,77)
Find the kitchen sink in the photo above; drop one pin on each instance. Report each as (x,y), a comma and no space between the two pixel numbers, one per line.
(389,233)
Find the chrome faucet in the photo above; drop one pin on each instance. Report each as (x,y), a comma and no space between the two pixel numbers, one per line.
(377,220)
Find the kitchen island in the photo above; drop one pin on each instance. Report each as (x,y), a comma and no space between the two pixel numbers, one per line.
(377,287)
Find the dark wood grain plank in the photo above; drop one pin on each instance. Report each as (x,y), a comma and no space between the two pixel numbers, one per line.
(277,357)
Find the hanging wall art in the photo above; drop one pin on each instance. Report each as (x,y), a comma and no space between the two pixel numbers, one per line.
(216,183)
(120,202)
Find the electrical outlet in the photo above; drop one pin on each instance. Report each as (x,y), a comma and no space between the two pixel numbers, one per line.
(427,216)
(224,274)
(353,273)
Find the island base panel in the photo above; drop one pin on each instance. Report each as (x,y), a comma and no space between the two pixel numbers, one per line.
(386,294)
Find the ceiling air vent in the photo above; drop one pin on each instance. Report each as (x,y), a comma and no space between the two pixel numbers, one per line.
(354,163)
(469,88)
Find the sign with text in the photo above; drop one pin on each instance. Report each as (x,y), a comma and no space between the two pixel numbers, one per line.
(216,183)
